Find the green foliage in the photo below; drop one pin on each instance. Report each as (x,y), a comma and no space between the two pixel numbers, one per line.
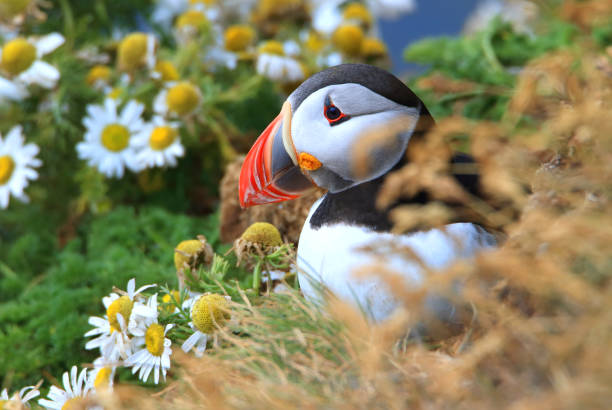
(44,313)
(490,59)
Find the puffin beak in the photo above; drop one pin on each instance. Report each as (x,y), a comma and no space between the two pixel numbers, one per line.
(269,172)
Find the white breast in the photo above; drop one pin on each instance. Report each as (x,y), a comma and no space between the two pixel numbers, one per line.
(331,254)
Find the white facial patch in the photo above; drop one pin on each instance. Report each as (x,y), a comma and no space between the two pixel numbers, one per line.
(371,115)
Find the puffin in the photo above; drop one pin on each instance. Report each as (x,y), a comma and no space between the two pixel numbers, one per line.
(312,143)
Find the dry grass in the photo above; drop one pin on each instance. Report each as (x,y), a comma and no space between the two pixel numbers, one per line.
(539,323)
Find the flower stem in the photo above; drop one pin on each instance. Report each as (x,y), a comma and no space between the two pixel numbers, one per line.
(257,275)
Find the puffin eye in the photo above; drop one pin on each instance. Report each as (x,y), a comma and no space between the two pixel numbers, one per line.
(333,114)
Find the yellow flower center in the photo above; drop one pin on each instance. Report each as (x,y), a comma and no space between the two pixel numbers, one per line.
(103,378)
(17,56)
(74,403)
(115,137)
(162,137)
(11,8)
(314,42)
(263,233)
(188,249)
(208,310)
(123,305)
(238,37)
(167,70)
(183,98)
(2,402)
(207,2)
(115,93)
(98,73)
(373,48)
(272,47)
(7,165)
(358,12)
(154,339)
(170,299)
(192,18)
(132,51)
(348,39)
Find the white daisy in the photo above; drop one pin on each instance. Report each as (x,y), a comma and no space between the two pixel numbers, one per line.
(16,166)
(122,312)
(108,143)
(154,355)
(102,375)
(18,399)
(206,311)
(158,144)
(272,63)
(75,389)
(21,60)
(177,99)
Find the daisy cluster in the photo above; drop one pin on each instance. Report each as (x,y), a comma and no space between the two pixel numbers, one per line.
(22,69)
(157,90)
(135,333)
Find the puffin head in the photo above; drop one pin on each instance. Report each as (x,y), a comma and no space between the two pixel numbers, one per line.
(312,142)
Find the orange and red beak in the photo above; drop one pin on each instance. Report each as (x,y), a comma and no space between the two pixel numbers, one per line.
(269,172)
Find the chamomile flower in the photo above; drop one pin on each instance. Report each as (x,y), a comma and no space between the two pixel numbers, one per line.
(102,376)
(18,399)
(21,60)
(190,25)
(75,390)
(348,38)
(177,99)
(169,302)
(108,143)
(357,13)
(218,55)
(238,38)
(165,71)
(136,50)
(122,311)
(206,311)
(17,161)
(154,353)
(274,64)
(159,144)
(99,76)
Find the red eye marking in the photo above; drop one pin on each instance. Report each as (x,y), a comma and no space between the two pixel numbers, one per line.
(333,114)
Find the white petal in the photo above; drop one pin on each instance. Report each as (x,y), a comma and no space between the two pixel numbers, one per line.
(12,90)
(48,43)
(191,341)
(41,73)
